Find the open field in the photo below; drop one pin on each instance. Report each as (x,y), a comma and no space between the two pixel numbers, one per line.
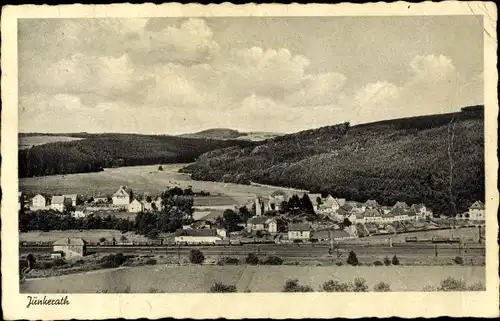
(191,278)
(28,141)
(87,235)
(140,178)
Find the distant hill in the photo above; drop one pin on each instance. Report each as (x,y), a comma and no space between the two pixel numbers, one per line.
(402,159)
(226,133)
(97,151)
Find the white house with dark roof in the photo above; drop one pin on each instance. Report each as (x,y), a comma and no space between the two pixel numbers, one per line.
(71,247)
(57,203)
(299,232)
(121,197)
(262,223)
(38,202)
(135,206)
(477,211)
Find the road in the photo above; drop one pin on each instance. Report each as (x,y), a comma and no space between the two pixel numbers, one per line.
(293,250)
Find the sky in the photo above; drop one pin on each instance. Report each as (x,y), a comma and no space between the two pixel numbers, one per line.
(275,74)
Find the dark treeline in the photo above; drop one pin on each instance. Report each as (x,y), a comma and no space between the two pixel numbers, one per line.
(98,151)
(396,160)
(177,210)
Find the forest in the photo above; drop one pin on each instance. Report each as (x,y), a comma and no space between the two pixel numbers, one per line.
(437,160)
(98,151)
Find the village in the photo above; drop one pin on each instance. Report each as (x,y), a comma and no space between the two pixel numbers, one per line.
(279,218)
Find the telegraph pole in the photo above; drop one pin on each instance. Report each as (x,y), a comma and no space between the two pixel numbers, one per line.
(435,249)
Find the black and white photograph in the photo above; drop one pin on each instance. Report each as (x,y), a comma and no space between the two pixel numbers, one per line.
(252,154)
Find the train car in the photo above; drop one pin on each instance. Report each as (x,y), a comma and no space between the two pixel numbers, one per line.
(411,239)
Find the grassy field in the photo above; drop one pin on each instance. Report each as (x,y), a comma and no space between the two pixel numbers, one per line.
(87,235)
(28,141)
(191,278)
(140,178)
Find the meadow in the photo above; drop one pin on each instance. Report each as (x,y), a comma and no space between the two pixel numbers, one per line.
(87,235)
(28,141)
(141,179)
(195,278)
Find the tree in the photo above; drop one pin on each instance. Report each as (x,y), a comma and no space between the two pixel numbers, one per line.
(387,261)
(360,285)
(244,213)
(352,259)
(336,286)
(252,259)
(160,168)
(306,204)
(31,261)
(382,287)
(222,288)
(395,260)
(294,286)
(196,257)
(346,222)
(230,220)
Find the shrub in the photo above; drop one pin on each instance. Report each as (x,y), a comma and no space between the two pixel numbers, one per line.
(429,288)
(338,263)
(222,288)
(476,287)
(228,261)
(151,262)
(336,286)
(294,286)
(273,260)
(153,290)
(352,259)
(196,257)
(378,263)
(252,259)
(160,168)
(382,287)
(297,241)
(44,265)
(59,262)
(360,285)
(451,284)
(387,261)
(395,260)
(458,260)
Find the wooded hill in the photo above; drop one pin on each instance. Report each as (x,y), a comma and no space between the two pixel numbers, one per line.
(406,159)
(97,151)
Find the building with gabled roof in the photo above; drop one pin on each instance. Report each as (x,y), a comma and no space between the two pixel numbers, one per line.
(402,205)
(477,211)
(201,236)
(135,206)
(262,223)
(57,203)
(372,204)
(38,202)
(71,247)
(301,232)
(121,197)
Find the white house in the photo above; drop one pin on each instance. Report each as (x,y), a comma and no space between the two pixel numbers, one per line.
(420,210)
(135,206)
(476,211)
(299,232)
(38,202)
(121,197)
(147,206)
(71,247)
(192,236)
(331,204)
(57,203)
(262,223)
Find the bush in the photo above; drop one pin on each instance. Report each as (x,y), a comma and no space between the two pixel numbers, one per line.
(352,259)
(273,260)
(336,286)
(59,262)
(476,287)
(387,261)
(451,284)
(458,260)
(153,290)
(382,287)
(338,263)
(360,285)
(378,263)
(222,288)
(297,241)
(228,261)
(151,262)
(294,286)
(252,259)
(395,260)
(196,257)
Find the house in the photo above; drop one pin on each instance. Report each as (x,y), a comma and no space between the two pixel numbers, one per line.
(300,232)
(193,236)
(147,206)
(72,197)
(331,205)
(262,223)
(135,206)
(71,247)
(38,202)
(277,197)
(477,211)
(385,209)
(420,210)
(400,214)
(372,215)
(401,205)
(371,204)
(121,197)
(57,203)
